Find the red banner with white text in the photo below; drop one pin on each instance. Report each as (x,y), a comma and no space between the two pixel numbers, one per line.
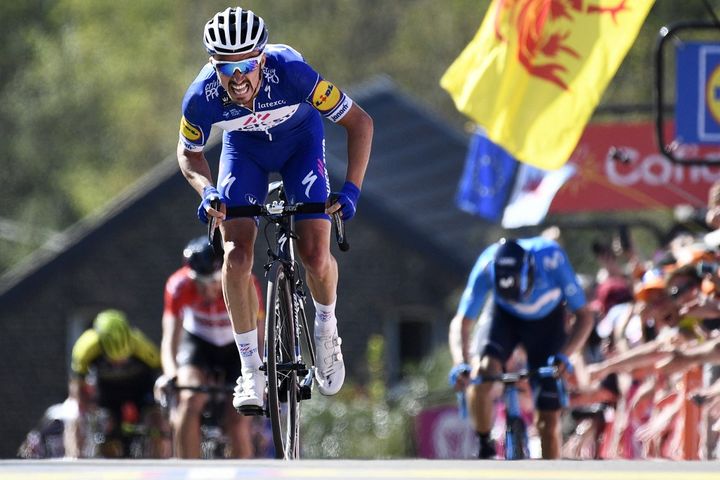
(645,180)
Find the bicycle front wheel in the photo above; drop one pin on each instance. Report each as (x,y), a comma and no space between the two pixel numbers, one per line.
(516,439)
(282,364)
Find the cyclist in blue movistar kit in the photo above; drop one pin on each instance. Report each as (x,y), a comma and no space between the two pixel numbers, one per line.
(270,104)
(531,282)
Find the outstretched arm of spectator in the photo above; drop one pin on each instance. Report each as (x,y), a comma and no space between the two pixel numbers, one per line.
(638,357)
(684,358)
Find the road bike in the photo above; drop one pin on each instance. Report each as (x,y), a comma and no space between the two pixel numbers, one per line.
(214,441)
(516,446)
(289,354)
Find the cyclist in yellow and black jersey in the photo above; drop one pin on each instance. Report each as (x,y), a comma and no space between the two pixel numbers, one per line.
(114,367)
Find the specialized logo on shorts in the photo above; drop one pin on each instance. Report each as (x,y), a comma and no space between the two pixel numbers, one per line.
(326,96)
(226,183)
(190,131)
(309,180)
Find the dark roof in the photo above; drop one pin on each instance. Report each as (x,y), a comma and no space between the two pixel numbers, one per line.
(411,182)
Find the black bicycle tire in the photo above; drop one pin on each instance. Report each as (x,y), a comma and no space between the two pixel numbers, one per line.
(280,338)
(516,439)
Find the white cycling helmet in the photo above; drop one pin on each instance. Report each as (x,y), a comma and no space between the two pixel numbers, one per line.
(235,30)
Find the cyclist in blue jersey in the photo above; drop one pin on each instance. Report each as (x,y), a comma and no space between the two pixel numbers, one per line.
(270,104)
(531,281)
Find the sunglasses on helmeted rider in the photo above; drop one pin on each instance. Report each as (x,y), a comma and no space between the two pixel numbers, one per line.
(243,66)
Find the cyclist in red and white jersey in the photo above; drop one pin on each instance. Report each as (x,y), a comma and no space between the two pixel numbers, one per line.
(198,345)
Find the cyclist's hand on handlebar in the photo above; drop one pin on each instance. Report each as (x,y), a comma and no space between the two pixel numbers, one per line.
(459,376)
(345,200)
(163,385)
(561,361)
(210,194)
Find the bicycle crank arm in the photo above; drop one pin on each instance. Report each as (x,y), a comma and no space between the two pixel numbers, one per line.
(306,384)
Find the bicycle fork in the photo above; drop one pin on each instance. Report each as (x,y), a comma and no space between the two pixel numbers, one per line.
(516,439)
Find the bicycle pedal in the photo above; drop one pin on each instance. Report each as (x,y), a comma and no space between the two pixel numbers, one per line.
(305,392)
(250,410)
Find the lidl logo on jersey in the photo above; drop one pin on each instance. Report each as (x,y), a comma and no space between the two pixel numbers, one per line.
(190,131)
(326,96)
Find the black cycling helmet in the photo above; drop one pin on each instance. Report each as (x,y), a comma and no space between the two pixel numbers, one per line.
(234,31)
(514,270)
(201,258)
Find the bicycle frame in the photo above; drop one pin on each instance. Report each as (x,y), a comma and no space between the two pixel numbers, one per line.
(289,374)
(282,250)
(287,339)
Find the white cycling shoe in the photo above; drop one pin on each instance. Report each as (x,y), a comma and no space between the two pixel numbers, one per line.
(330,371)
(248,396)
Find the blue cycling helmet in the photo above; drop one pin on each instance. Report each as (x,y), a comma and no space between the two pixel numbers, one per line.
(201,258)
(514,270)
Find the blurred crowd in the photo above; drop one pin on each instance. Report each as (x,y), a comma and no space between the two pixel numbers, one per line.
(647,383)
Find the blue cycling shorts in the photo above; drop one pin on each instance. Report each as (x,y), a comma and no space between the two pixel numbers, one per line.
(246,163)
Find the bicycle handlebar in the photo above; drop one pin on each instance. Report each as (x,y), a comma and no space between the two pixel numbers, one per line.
(205,388)
(281,209)
(172,388)
(511,378)
(550,371)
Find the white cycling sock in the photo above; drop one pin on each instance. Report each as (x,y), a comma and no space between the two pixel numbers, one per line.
(247,344)
(325,320)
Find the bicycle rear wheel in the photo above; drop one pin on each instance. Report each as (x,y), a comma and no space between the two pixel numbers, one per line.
(283,400)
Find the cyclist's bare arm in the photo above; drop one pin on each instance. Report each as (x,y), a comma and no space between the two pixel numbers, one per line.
(359,127)
(459,338)
(172,332)
(195,168)
(73,435)
(581,328)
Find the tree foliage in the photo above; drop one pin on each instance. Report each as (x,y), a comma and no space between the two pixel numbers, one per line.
(90,91)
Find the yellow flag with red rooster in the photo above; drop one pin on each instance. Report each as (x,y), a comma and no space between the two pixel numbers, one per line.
(536,70)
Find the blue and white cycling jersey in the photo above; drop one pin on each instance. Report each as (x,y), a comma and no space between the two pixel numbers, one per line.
(554,281)
(290,95)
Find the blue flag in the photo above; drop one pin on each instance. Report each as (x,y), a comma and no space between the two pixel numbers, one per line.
(487,179)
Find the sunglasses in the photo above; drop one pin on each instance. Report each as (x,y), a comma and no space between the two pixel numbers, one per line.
(207,279)
(677,290)
(243,66)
